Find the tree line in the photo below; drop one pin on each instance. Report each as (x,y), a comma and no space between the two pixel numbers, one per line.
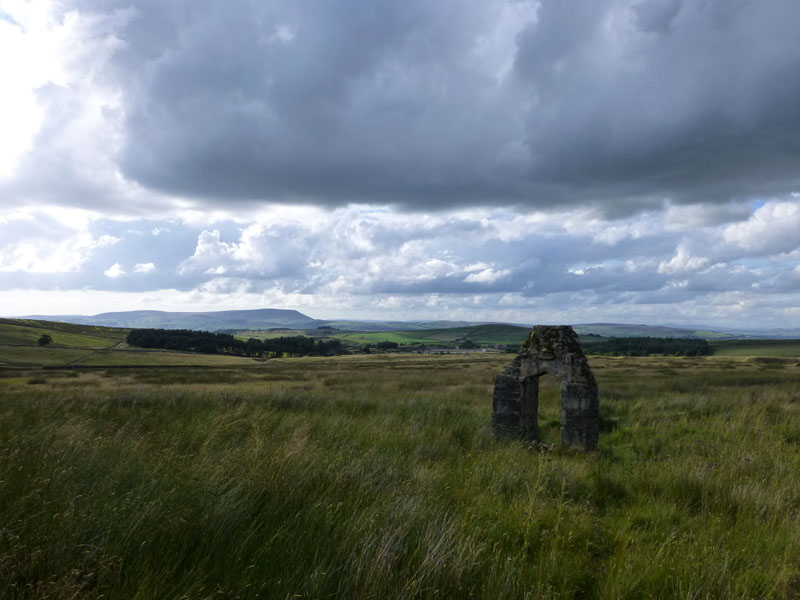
(645,346)
(187,340)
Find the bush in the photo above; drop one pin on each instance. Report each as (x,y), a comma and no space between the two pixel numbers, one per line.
(186,340)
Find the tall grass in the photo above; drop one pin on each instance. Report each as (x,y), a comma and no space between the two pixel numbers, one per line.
(377,477)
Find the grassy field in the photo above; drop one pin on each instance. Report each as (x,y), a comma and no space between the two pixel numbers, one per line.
(622,330)
(269,335)
(378,477)
(479,334)
(26,332)
(789,348)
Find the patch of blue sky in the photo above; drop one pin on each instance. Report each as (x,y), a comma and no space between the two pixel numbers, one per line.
(9,19)
(762,265)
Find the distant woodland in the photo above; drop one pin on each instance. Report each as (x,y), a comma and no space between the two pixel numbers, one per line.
(187,340)
(645,346)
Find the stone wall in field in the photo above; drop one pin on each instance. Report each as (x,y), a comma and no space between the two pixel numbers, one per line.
(553,350)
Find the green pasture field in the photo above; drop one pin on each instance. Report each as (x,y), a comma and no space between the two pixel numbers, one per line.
(757,348)
(53,327)
(401,337)
(378,476)
(35,356)
(480,334)
(29,332)
(269,335)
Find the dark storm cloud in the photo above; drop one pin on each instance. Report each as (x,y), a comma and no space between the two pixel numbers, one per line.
(656,16)
(334,102)
(439,104)
(693,100)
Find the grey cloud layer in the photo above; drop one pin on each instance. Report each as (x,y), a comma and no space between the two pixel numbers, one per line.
(612,158)
(437,104)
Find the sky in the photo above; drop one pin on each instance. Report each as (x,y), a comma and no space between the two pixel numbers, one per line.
(631,161)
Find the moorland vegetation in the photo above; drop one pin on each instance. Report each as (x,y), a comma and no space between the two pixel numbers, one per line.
(377,476)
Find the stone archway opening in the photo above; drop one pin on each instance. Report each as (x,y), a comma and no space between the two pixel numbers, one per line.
(549,350)
(548,406)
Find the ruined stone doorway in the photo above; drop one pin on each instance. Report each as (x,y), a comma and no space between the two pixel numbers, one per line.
(553,350)
(542,394)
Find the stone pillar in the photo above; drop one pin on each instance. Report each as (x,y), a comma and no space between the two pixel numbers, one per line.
(579,415)
(529,409)
(506,401)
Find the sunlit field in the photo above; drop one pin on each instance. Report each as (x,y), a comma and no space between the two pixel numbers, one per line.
(377,476)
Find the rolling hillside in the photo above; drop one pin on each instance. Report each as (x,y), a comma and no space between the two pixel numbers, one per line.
(26,332)
(479,334)
(776,348)
(258,323)
(627,330)
(86,345)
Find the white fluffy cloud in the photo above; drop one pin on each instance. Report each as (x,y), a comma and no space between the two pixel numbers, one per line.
(488,275)
(114,271)
(682,262)
(144,268)
(773,228)
(48,241)
(383,262)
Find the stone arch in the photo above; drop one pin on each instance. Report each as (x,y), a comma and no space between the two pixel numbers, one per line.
(553,350)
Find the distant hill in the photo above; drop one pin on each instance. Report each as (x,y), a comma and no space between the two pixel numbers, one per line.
(705,333)
(400,325)
(273,318)
(494,333)
(626,330)
(241,320)
(265,318)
